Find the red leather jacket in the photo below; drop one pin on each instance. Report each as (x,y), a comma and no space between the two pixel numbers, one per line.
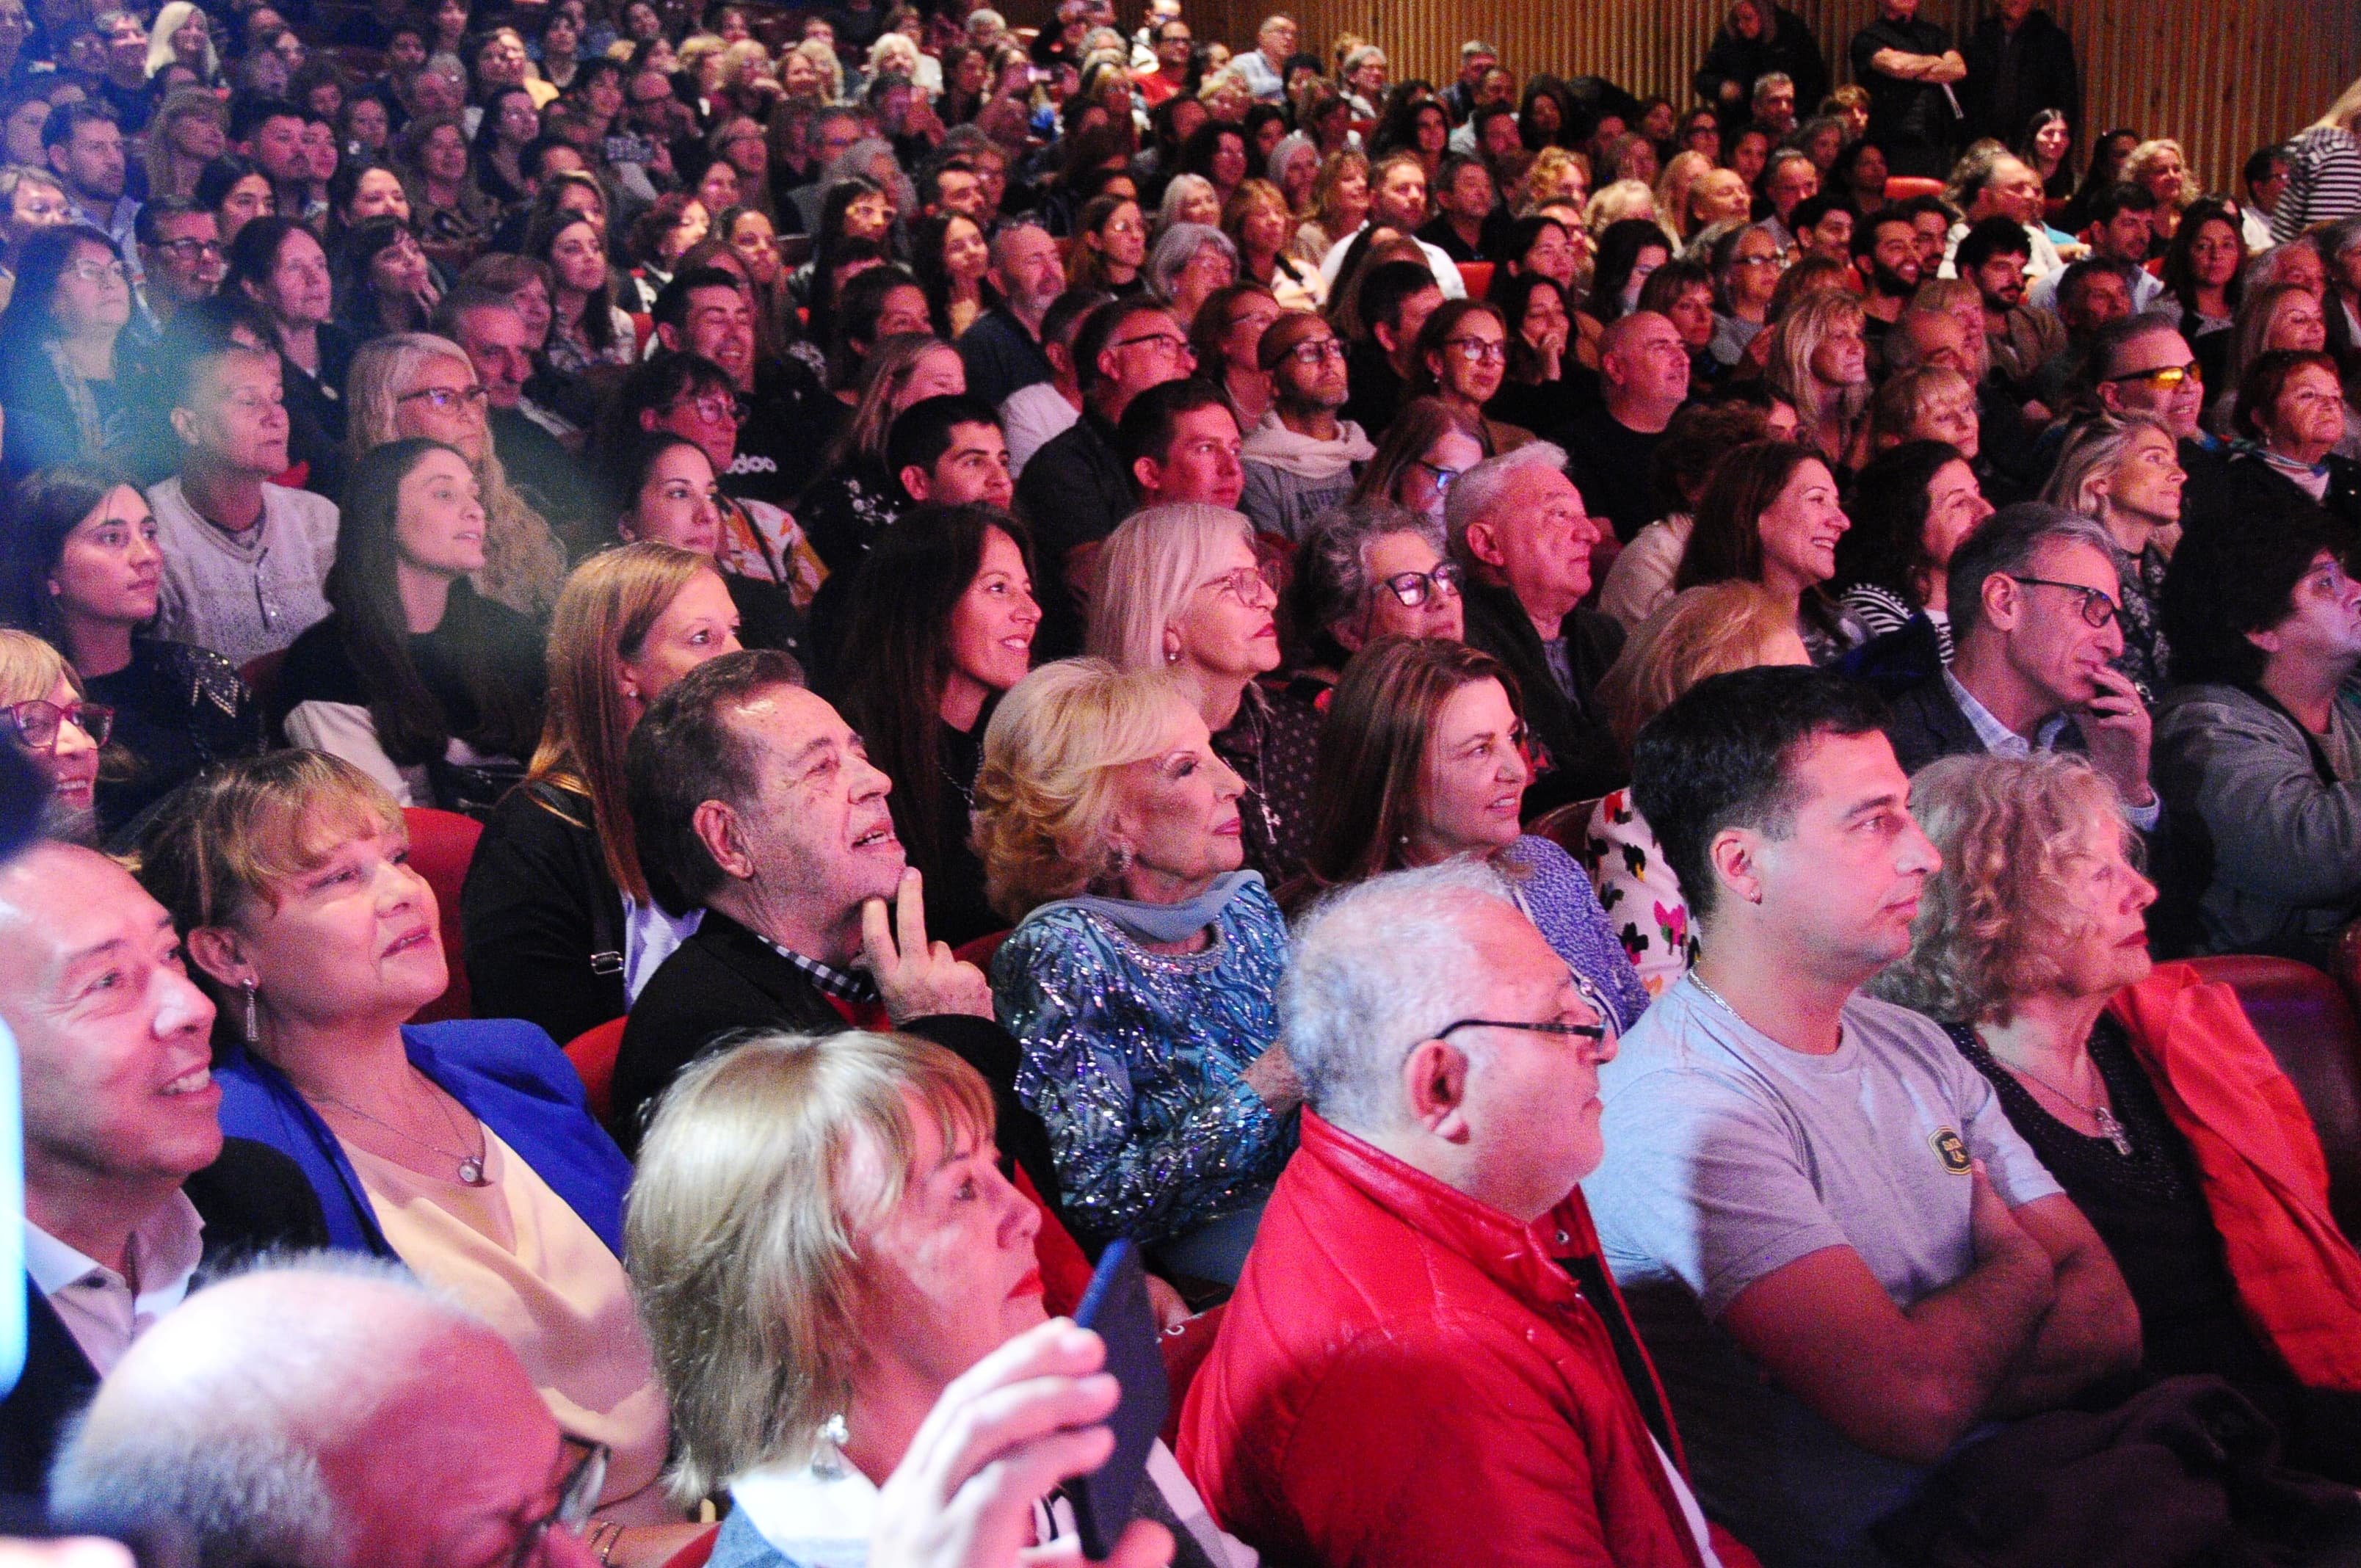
(1407,1377)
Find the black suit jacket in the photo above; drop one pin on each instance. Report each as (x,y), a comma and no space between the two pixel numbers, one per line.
(726,979)
(2046,78)
(252,1198)
(1925,724)
(1582,759)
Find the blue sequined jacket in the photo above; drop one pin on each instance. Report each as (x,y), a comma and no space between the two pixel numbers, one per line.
(1137,1063)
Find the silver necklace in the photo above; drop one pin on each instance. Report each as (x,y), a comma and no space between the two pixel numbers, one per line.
(471,1165)
(1719,1000)
(2100,1116)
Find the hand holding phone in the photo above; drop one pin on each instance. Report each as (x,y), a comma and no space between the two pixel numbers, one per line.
(1117,1306)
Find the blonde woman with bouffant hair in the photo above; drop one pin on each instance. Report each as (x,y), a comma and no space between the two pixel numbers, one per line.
(1048,786)
(759,1185)
(524,566)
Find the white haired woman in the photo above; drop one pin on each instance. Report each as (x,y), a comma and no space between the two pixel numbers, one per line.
(2144,1090)
(1189,264)
(823,1237)
(1181,589)
(416,384)
(1142,978)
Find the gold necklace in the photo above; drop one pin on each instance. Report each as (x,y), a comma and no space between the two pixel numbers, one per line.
(470,1166)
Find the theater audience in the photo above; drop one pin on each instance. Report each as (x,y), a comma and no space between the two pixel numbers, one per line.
(560,929)
(2144,1091)
(84,568)
(2254,754)
(816,1378)
(938,625)
(1400,1358)
(246,561)
(1184,591)
(129,1185)
(460,1149)
(1143,974)
(1421,761)
(753,801)
(1692,635)
(1841,1256)
(429,689)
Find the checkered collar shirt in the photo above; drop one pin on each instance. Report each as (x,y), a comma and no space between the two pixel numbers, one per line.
(845,985)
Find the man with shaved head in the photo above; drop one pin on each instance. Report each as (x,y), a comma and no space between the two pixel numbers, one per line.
(121,1114)
(334,1413)
(1643,379)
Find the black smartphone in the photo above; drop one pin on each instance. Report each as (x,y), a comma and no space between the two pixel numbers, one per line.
(1117,1308)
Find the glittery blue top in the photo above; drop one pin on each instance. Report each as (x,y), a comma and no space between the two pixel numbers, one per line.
(1137,1063)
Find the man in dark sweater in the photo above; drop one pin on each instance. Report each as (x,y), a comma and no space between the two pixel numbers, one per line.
(1001,351)
(1643,379)
(1394,303)
(1076,488)
(754,801)
(1521,536)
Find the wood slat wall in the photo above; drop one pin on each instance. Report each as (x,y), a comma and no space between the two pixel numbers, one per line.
(2222,76)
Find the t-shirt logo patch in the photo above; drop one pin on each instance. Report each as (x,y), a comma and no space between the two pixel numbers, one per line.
(1952,1150)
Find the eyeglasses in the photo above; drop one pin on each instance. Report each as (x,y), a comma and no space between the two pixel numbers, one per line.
(1165,342)
(1414,588)
(1316,353)
(38,723)
(183,250)
(2164,377)
(2097,608)
(1576,1031)
(577,1496)
(98,271)
(1478,350)
(1773,260)
(442,399)
(1442,476)
(1250,586)
(714,408)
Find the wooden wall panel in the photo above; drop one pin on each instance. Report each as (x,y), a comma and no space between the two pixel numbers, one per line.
(2222,76)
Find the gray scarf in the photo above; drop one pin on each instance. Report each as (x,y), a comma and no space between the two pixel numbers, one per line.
(1157,922)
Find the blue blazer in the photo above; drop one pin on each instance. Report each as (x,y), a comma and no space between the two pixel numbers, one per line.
(510,1073)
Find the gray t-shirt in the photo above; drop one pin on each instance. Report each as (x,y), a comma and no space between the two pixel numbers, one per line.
(1729,1156)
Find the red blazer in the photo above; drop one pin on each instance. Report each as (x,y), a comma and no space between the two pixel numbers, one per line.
(2260,1163)
(1407,1377)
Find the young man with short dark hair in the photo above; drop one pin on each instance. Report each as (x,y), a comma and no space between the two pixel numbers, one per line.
(1181,442)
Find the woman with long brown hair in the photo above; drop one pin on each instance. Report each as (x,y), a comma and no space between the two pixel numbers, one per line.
(559,926)
(1769,515)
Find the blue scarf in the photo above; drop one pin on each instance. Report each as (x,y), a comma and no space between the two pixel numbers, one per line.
(1157,922)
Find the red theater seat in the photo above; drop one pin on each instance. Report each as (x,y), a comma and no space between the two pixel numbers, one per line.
(441,845)
(593,1056)
(2303,1016)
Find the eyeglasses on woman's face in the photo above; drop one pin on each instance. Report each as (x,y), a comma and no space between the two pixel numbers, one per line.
(37,724)
(1414,588)
(1253,586)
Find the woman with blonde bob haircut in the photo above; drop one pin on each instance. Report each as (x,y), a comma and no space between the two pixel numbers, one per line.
(1142,978)
(559,925)
(1181,589)
(1699,633)
(416,384)
(2143,1089)
(822,1238)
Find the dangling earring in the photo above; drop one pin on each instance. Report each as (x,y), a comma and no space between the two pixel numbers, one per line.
(253,1024)
(828,1451)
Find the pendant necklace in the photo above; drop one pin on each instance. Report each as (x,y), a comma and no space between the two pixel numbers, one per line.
(2109,1128)
(470,1166)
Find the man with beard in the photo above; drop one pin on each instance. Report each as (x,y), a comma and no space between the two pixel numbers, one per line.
(2020,339)
(1885,254)
(1302,459)
(1001,351)
(2122,224)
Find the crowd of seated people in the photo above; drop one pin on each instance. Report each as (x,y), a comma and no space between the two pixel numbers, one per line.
(1598,763)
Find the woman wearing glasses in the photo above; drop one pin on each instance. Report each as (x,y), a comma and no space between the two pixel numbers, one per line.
(1181,589)
(58,385)
(1747,264)
(415,385)
(84,570)
(1142,978)
(1110,246)
(433,691)
(1461,360)
(461,1149)
(43,714)
(1367,570)
(1423,760)
(1429,444)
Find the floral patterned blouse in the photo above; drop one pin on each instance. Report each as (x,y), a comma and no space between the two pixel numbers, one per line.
(1640,892)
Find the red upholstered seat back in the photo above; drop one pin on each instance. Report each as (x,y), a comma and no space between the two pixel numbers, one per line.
(593,1055)
(441,845)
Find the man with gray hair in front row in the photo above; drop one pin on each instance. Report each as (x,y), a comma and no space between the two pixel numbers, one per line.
(1424,1336)
(332,1412)
(1523,539)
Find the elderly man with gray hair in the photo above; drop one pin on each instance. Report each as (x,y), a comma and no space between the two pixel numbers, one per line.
(334,1413)
(1523,539)
(1424,1350)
